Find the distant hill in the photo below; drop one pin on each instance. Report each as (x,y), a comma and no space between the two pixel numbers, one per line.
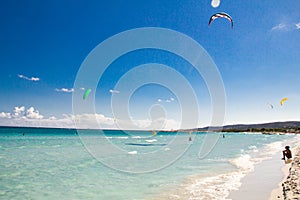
(273,126)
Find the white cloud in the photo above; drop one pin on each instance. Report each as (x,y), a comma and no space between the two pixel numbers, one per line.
(157,124)
(18,111)
(5,115)
(64,90)
(279,27)
(167,100)
(215,3)
(286,27)
(31,113)
(114,91)
(32,118)
(27,78)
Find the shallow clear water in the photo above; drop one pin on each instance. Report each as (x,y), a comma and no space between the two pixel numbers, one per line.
(55,164)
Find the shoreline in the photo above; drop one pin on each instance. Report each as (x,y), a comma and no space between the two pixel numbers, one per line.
(257,184)
(289,187)
(261,185)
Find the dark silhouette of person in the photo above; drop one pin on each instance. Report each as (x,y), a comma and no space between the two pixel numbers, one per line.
(286,153)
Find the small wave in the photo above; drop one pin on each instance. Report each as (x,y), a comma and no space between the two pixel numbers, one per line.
(132,152)
(191,167)
(219,186)
(141,137)
(150,141)
(217,159)
(243,163)
(252,147)
(274,147)
(213,187)
(122,137)
(268,151)
(252,133)
(216,186)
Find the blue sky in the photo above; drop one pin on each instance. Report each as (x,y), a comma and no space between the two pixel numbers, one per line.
(43,44)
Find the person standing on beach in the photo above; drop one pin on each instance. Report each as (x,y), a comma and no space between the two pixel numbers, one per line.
(287,153)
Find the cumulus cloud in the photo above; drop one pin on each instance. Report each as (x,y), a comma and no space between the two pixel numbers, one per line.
(20,116)
(96,121)
(31,117)
(156,124)
(18,111)
(31,113)
(27,78)
(5,115)
(52,118)
(114,91)
(297,25)
(65,90)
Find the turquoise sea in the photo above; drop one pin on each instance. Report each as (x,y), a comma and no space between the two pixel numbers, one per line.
(42,163)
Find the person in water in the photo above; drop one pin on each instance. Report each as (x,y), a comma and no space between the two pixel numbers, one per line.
(287,153)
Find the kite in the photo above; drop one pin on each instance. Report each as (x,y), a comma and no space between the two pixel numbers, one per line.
(271,106)
(283,100)
(86,93)
(220,15)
